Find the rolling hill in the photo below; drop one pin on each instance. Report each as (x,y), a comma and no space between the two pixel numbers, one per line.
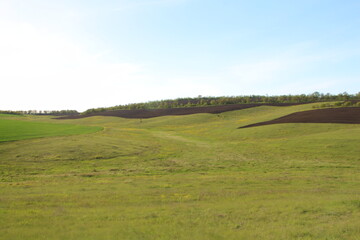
(185,177)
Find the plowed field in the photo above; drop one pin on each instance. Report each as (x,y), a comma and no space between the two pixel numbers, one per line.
(327,115)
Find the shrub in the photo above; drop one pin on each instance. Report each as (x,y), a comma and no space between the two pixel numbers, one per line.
(347,104)
(325,105)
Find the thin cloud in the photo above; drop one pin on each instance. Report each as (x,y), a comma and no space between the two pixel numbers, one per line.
(290,63)
(140,4)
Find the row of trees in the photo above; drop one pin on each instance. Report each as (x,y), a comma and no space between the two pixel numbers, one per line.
(40,112)
(212,101)
(338,104)
(10,112)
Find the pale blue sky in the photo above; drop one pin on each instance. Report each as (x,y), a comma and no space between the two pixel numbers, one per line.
(84,54)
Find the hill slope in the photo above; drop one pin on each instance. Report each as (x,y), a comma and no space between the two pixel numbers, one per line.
(349,115)
(185,177)
(150,113)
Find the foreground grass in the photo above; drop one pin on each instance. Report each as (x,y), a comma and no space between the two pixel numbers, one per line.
(186,177)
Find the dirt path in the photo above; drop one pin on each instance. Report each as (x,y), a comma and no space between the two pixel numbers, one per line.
(168,135)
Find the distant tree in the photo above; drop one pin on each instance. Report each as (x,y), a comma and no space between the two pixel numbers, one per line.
(203,101)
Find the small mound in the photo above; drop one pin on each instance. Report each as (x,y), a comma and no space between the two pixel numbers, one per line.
(350,115)
(150,113)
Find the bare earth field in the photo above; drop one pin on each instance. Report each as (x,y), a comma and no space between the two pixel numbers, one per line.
(349,115)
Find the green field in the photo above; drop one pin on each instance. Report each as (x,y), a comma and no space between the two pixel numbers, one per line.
(11,130)
(183,177)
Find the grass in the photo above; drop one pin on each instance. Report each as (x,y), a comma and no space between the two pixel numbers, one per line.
(184,177)
(11,130)
(9,115)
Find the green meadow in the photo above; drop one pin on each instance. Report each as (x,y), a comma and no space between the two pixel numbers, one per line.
(179,177)
(11,130)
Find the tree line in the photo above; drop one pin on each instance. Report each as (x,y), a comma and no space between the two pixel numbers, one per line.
(213,101)
(338,104)
(42,112)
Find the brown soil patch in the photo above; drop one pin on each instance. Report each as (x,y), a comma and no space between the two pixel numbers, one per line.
(328,115)
(150,113)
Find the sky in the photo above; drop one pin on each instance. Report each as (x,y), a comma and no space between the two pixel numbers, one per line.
(81,54)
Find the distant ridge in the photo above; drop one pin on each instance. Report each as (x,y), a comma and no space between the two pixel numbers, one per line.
(201,101)
(150,113)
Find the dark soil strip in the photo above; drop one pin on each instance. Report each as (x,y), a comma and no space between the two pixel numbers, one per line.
(150,113)
(327,115)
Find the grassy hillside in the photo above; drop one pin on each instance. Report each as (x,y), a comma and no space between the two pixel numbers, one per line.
(11,130)
(184,177)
